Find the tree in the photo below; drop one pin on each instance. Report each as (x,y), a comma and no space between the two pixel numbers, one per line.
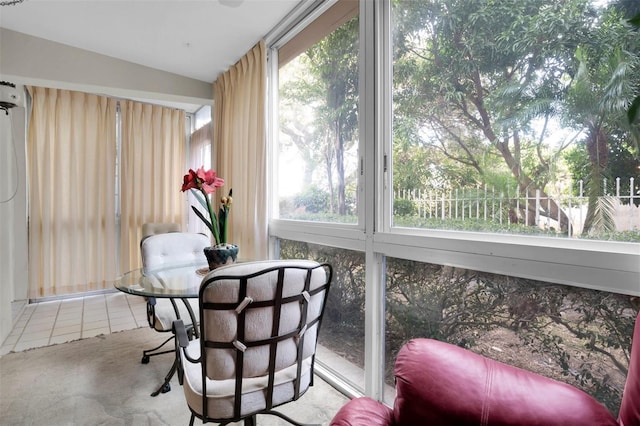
(487,78)
(300,96)
(325,91)
(334,61)
(598,98)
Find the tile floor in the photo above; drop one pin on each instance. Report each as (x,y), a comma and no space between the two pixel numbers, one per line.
(60,321)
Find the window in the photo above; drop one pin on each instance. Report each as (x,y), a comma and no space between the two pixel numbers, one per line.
(341,338)
(473,139)
(510,118)
(317,152)
(202,116)
(199,156)
(574,335)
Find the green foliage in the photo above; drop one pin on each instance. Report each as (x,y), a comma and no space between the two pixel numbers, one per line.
(402,207)
(575,335)
(471,225)
(632,236)
(482,82)
(343,322)
(313,200)
(633,113)
(322,217)
(318,110)
(603,215)
(622,164)
(580,336)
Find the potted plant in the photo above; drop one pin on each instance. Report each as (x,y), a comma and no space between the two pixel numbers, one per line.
(203,184)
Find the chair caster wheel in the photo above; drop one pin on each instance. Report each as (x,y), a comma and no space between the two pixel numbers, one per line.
(145,359)
(166,388)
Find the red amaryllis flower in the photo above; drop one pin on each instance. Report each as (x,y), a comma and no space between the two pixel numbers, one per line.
(190,181)
(204,182)
(209,180)
(202,179)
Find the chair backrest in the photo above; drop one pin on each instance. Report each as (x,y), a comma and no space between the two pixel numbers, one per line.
(260,321)
(629,414)
(154,228)
(173,249)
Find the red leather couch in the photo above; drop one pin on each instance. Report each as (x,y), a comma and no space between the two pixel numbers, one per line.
(442,384)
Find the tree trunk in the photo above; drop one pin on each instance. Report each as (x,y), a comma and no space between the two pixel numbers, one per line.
(339,150)
(599,157)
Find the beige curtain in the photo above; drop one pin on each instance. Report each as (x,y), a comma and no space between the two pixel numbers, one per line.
(240,149)
(153,164)
(200,147)
(71,150)
(199,156)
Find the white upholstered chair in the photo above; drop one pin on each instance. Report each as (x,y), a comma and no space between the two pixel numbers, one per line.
(161,251)
(149,229)
(259,324)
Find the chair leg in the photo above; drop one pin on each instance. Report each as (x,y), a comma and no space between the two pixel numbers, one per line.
(166,386)
(193,417)
(250,421)
(148,353)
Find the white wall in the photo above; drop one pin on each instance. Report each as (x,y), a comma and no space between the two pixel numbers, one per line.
(30,60)
(13,218)
(25,59)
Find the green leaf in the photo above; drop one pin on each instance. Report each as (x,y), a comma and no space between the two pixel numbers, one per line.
(604,214)
(222,224)
(633,112)
(196,193)
(204,219)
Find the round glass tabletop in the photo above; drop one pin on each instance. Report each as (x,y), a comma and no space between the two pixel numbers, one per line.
(176,281)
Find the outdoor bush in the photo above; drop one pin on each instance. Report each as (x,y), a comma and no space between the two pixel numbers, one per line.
(575,335)
(313,199)
(402,207)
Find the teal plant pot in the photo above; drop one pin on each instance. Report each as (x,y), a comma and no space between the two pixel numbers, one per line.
(221,255)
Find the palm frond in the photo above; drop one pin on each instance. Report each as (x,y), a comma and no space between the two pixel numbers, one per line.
(603,215)
(616,94)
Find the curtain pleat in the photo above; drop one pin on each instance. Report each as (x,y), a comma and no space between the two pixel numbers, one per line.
(71,150)
(240,149)
(199,146)
(153,164)
(199,156)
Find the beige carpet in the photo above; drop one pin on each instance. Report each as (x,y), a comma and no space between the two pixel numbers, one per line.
(100,381)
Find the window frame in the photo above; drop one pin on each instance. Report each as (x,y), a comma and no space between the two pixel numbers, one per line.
(292,25)
(600,265)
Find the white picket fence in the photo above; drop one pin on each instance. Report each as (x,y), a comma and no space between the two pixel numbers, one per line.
(484,203)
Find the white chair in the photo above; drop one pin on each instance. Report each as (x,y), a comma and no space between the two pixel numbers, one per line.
(258,333)
(161,251)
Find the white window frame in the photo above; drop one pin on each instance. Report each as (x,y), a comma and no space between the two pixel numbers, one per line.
(600,265)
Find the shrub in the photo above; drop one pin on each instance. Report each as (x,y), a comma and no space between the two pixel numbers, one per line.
(313,199)
(402,207)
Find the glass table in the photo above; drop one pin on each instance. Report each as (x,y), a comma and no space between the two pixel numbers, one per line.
(181,281)
(178,283)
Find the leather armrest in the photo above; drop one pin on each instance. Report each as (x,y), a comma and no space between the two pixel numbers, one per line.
(443,384)
(363,412)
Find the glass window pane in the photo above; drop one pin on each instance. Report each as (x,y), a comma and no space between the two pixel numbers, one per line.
(341,340)
(202,116)
(574,335)
(511,117)
(318,129)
